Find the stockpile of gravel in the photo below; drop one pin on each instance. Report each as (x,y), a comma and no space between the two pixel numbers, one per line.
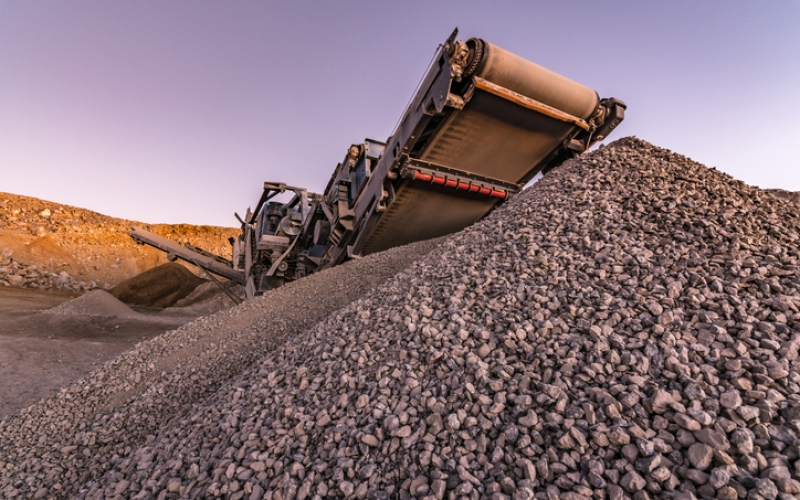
(627,327)
(793,197)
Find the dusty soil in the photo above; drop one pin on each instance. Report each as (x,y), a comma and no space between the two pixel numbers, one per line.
(90,246)
(40,353)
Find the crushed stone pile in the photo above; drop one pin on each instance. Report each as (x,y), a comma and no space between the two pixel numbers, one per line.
(626,328)
(97,303)
(159,287)
(791,196)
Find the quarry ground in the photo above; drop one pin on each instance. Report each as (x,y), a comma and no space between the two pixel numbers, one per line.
(41,239)
(40,353)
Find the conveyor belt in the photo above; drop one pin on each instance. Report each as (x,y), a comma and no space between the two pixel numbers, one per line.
(496,138)
(529,79)
(491,137)
(422,211)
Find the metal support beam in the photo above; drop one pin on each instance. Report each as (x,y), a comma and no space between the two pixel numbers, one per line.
(186,254)
(527,102)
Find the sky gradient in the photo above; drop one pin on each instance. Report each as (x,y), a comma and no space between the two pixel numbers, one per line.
(179,111)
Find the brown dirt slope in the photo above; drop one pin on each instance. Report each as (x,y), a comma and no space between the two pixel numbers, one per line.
(88,246)
(161,286)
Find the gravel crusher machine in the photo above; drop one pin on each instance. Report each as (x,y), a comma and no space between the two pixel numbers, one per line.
(482,124)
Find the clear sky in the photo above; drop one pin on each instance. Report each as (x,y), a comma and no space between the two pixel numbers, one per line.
(178,111)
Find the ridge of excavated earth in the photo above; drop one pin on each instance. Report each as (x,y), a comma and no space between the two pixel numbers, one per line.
(626,328)
(51,246)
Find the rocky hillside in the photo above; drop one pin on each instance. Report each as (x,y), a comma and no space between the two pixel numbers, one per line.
(53,246)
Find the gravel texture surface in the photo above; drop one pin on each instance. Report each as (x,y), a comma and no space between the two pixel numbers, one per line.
(626,328)
(792,196)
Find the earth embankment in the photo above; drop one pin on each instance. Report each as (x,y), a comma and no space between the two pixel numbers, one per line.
(47,245)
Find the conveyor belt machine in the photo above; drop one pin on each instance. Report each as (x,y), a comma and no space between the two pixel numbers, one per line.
(483,123)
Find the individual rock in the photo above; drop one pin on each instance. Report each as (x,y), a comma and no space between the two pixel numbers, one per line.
(716,440)
(632,482)
(767,489)
(700,455)
(730,399)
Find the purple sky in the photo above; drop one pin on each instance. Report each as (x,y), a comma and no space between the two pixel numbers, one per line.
(179,111)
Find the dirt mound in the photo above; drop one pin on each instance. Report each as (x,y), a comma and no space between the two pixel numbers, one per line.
(161,286)
(207,298)
(209,305)
(97,303)
(200,294)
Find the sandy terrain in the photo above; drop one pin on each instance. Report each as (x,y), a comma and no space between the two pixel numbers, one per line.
(40,352)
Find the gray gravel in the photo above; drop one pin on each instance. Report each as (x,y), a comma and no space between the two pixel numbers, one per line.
(627,328)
